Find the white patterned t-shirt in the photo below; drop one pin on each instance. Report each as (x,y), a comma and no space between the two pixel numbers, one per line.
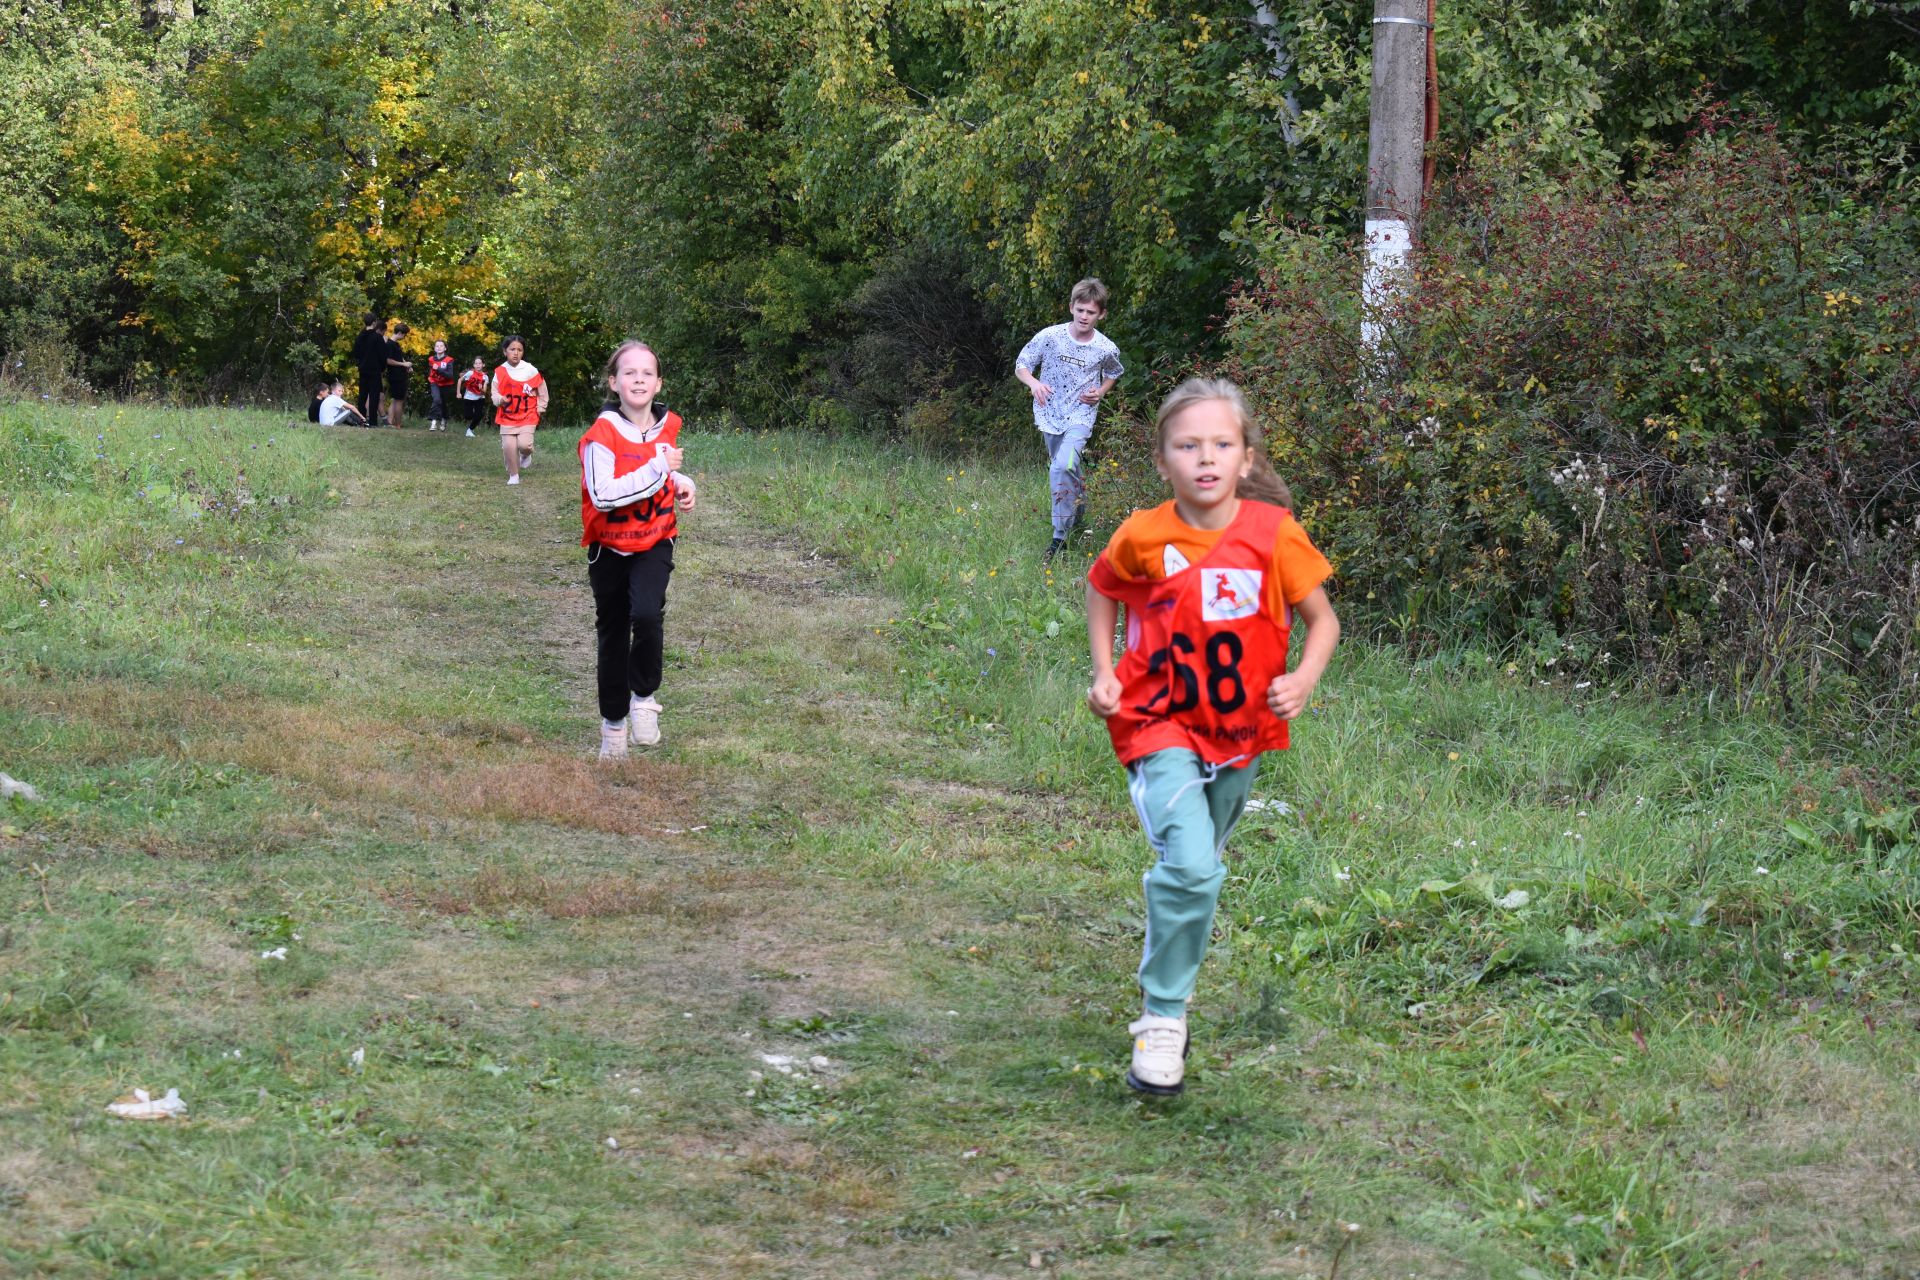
(1070,368)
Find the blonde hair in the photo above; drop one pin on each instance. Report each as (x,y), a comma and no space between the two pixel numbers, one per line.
(613,366)
(1089,290)
(1261,483)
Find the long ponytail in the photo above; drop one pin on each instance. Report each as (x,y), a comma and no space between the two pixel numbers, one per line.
(1262,483)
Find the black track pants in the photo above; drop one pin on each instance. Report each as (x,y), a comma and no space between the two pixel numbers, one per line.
(629,618)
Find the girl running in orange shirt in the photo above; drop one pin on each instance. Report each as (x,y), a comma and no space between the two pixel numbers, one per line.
(631,490)
(520,392)
(1210,582)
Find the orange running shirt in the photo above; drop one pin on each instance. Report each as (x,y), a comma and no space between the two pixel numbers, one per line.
(1207,628)
(519,401)
(638,525)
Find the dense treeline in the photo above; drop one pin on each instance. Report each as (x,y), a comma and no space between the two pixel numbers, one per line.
(861,201)
(846,213)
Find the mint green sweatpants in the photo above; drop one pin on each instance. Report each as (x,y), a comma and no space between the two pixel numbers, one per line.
(1188,809)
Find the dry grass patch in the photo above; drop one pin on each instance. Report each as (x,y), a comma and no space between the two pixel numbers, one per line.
(362,758)
(700,899)
(41,1200)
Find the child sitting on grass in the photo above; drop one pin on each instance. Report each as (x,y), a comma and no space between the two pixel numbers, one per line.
(333,409)
(1210,581)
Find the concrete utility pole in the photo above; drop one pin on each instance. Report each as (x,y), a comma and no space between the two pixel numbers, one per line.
(1396,152)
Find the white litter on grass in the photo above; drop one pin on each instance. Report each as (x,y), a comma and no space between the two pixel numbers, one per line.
(819,1062)
(358,1058)
(141,1105)
(1514,901)
(278,953)
(1280,807)
(613,1144)
(11,786)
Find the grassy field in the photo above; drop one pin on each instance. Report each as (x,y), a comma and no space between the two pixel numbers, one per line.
(1522,977)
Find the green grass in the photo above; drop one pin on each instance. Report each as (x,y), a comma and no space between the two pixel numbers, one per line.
(353,723)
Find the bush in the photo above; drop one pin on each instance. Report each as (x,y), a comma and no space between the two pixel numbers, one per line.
(1676,426)
(924,347)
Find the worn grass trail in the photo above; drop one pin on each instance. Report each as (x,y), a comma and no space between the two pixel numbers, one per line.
(522,1021)
(519,1025)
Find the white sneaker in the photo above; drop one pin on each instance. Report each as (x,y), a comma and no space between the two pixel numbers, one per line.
(1159,1055)
(526,459)
(644,716)
(513,479)
(469,433)
(613,740)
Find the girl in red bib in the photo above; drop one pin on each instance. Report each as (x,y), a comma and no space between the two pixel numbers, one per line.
(1210,581)
(520,393)
(631,489)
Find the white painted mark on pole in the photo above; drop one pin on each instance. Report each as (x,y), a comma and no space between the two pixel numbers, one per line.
(1389,247)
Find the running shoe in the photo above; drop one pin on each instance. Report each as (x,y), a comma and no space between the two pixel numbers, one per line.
(1159,1055)
(644,716)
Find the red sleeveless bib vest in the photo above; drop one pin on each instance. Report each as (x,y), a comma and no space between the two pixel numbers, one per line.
(1202,648)
(519,401)
(638,525)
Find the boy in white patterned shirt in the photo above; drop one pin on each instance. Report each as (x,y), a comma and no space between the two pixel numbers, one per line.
(1069,368)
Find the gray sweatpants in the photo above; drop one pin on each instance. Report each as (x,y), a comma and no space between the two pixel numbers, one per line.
(1064,479)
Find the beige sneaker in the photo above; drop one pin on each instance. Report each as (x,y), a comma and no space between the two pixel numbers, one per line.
(644,716)
(1159,1055)
(613,741)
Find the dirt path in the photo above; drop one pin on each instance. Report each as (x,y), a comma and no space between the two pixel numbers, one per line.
(708,945)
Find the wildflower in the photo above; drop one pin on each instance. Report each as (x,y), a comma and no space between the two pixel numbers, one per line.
(993,653)
(1344,873)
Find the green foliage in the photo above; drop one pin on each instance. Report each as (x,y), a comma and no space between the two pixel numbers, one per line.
(1597,90)
(1672,429)
(1046,142)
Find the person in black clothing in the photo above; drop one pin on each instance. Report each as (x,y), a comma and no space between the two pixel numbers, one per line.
(399,369)
(320,390)
(370,357)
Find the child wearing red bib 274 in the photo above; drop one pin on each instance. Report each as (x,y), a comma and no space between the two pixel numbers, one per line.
(1210,581)
(631,490)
